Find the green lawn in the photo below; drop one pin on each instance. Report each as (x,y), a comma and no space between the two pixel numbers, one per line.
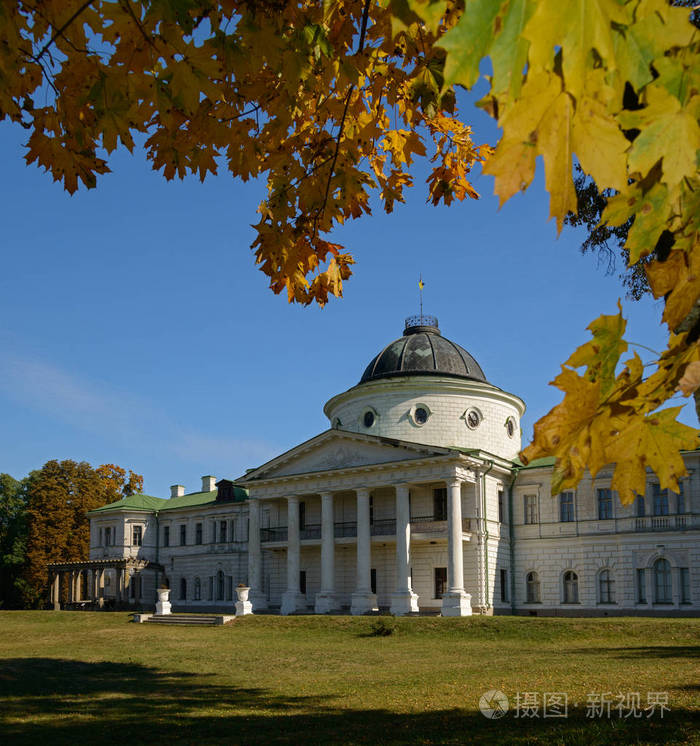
(80,677)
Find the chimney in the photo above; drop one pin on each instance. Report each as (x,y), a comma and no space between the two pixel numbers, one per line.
(177,490)
(208,483)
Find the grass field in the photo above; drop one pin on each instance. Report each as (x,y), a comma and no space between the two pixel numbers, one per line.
(80,677)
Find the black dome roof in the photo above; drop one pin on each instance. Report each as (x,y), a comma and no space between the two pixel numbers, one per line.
(422,350)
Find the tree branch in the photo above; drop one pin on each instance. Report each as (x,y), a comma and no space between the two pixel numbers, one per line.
(59,32)
(363,30)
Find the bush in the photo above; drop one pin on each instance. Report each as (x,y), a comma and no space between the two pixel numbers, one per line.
(382,628)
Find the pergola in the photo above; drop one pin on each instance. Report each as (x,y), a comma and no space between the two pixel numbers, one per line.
(94,573)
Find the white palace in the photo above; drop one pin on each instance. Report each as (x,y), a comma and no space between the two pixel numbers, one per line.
(412,501)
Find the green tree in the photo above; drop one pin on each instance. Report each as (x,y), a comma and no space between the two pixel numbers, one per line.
(58,498)
(13,539)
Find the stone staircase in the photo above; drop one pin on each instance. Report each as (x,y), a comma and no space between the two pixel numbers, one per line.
(185,620)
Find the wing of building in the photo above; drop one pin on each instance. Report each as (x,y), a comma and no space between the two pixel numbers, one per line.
(412,500)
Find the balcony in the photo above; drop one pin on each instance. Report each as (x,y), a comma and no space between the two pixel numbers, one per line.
(432,525)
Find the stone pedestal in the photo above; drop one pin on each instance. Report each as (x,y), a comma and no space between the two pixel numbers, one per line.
(363,603)
(243,605)
(405,602)
(163,603)
(325,603)
(456,603)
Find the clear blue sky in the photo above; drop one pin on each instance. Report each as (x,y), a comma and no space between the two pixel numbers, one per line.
(135,328)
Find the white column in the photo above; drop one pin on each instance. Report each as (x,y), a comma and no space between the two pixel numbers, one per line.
(257,598)
(363,600)
(325,599)
(292,599)
(403,600)
(455,602)
(56,591)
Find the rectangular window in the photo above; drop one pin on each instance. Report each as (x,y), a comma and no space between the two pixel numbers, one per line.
(371,510)
(440,504)
(639,507)
(137,535)
(440,581)
(641,586)
(685,585)
(373,579)
(229,588)
(101,538)
(222,531)
(501,507)
(198,533)
(210,595)
(680,499)
(166,536)
(660,500)
(566,507)
(530,505)
(302,517)
(232,531)
(504,584)
(108,536)
(605,509)
(183,535)
(302,581)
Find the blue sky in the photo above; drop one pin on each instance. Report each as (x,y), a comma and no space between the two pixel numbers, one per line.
(135,328)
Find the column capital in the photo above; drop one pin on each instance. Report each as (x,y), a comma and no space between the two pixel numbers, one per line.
(326,494)
(454,481)
(402,485)
(292,498)
(364,491)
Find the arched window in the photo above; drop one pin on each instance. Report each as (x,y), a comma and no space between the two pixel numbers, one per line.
(662,582)
(533,588)
(220,585)
(183,589)
(197,589)
(606,587)
(570,587)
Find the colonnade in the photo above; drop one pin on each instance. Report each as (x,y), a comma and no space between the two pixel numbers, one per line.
(455,602)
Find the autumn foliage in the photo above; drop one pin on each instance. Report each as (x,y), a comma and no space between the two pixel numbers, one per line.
(329,101)
(58,497)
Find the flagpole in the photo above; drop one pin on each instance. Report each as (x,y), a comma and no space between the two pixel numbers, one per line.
(420,290)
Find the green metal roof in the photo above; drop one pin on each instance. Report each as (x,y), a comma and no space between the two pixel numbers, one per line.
(545,461)
(193,499)
(133,502)
(159,504)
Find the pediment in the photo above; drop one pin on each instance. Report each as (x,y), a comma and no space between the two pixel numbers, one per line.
(336,449)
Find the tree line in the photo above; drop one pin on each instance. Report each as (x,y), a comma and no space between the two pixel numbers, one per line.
(43,519)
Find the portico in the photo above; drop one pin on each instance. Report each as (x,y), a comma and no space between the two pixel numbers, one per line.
(84,583)
(316,519)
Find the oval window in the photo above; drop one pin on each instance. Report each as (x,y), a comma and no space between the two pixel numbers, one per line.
(473,418)
(368,419)
(421,415)
(510,427)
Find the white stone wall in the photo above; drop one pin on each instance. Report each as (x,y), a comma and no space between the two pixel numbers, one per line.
(447,400)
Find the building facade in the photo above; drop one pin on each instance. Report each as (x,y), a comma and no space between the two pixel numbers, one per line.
(412,501)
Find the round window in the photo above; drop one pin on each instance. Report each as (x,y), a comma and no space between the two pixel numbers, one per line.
(368,419)
(473,418)
(421,415)
(510,427)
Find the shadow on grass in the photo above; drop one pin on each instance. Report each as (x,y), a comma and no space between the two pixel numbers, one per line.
(67,701)
(644,651)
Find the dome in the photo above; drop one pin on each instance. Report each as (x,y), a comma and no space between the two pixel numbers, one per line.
(422,350)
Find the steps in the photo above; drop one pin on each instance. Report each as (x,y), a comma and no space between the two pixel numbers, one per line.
(186,620)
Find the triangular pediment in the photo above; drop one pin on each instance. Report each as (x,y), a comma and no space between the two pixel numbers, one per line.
(339,449)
